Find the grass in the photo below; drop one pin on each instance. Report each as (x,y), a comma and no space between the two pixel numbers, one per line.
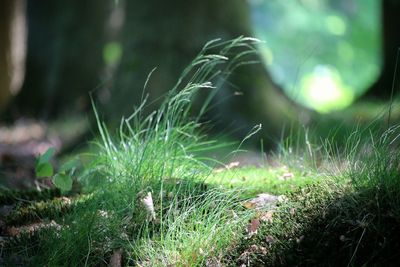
(196,233)
(349,218)
(148,195)
(147,191)
(252,180)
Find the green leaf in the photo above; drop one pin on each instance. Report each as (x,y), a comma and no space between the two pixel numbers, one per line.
(62,181)
(44,170)
(46,156)
(73,163)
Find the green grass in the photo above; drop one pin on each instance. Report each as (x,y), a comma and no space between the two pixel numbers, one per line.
(254,180)
(152,155)
(196,233)
(149,191)
(349,218)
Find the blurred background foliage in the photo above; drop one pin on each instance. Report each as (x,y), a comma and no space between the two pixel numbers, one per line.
(322,64)
(315,44)
(318,55)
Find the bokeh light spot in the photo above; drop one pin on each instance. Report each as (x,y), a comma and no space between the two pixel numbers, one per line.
(324,90)
(335,25)
(112,53)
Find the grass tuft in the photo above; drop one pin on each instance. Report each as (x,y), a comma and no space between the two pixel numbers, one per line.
(146,187)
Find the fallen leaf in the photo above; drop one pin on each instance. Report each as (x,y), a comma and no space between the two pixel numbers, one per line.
(253,248)
(267,216)
(149,206)
(270,239)
(233,164)
(103,214)
(263,250)
(249,205)
(12,231)
(262,201)
(292,211)
(252,227)
(286,176)
(116,258)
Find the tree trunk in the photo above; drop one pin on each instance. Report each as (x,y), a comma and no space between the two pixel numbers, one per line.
(167,35)
(12,49)
(382,88)
(64,60)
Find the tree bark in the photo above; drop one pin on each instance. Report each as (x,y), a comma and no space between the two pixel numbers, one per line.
(168,34)
(382,88)
(64,59)
(12,49)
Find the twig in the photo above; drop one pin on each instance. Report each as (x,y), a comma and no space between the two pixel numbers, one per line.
(358,244)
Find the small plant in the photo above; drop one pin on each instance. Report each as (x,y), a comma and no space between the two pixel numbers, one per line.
(62,179)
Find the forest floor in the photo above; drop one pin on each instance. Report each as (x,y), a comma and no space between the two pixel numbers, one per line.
(306,204)
(151,193)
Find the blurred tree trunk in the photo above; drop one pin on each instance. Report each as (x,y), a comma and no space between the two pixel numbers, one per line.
(64,59)
(12,49)
(391,43)
(168,34)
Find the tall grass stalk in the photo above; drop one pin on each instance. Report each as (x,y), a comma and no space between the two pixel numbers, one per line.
(153,155)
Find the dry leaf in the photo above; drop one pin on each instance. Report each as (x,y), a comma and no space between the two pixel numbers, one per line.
(249,205)
(270,239)
(116,258)
(149,206)
(292,211)
(286,176)
(12,231)
(267,216)
(227,167)
(262,201)
(232,165)
(103,214)
(252,227)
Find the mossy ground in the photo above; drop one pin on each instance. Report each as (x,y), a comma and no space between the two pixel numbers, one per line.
(323,221)
(146,197)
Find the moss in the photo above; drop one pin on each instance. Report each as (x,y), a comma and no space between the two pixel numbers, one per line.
(11,196)
(36,211)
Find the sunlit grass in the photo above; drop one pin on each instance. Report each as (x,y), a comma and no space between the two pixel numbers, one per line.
(149,193)
(348,218)
(254,180)
(148,196)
